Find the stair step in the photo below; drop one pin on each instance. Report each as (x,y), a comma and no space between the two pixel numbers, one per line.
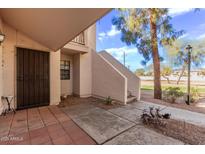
(131,99)
(129,94)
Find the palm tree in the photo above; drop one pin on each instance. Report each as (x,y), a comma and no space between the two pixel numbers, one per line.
(147,29)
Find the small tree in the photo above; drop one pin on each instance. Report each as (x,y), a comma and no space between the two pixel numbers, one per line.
(149,73)
(140,72)
(172,93)
(178,54)
(166,72)
(202,72)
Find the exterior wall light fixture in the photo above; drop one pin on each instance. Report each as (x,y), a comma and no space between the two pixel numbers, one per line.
(2,37)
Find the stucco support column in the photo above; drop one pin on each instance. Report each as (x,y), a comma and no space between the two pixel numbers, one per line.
(1,70)
(55,78)
(1,83)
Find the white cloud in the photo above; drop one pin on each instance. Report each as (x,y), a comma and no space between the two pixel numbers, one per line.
(100,38)
(112,32)
(102,34)
(179,11)
(118,52)
(184,36)
(201,36)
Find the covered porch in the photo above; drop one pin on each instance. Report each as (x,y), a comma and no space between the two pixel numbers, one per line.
(46,30)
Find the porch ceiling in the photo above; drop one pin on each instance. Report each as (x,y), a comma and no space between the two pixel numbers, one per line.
(52,27)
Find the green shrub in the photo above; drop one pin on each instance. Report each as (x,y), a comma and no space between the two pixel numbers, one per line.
(194,94)
(172,93)
(108,100)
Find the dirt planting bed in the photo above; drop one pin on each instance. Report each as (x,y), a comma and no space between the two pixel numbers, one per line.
(186,132)
(149,98)
(73,100)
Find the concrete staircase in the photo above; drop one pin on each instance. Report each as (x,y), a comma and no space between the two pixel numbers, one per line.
(133,82)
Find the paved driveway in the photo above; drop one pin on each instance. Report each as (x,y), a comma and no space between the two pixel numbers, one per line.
(115,126)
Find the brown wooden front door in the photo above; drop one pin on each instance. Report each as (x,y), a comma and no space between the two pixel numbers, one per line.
(32,78)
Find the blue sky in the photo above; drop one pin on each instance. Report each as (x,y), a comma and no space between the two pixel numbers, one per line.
(108,38)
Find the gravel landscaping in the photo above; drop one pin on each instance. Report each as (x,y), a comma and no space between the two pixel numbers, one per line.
(186,132)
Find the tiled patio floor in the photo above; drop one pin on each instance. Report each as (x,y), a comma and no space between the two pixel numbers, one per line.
(44,125)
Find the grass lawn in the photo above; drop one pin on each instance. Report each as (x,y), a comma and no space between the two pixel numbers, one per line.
(201,89)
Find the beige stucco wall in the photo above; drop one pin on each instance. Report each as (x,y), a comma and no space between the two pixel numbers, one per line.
(1,90)
(81,75)
(86,63)
(133,82)
(107,80)
(82,63)
(55,78)
(17,39)
(93,76)
(91,37)
(76,74)
(67,85)
(85,75)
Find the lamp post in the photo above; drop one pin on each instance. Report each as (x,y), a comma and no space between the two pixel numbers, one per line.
(189,49)
(124,57)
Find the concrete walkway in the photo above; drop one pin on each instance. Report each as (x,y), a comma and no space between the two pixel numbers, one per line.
(115,126)
(98,123)
(139,135)
(176,113)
